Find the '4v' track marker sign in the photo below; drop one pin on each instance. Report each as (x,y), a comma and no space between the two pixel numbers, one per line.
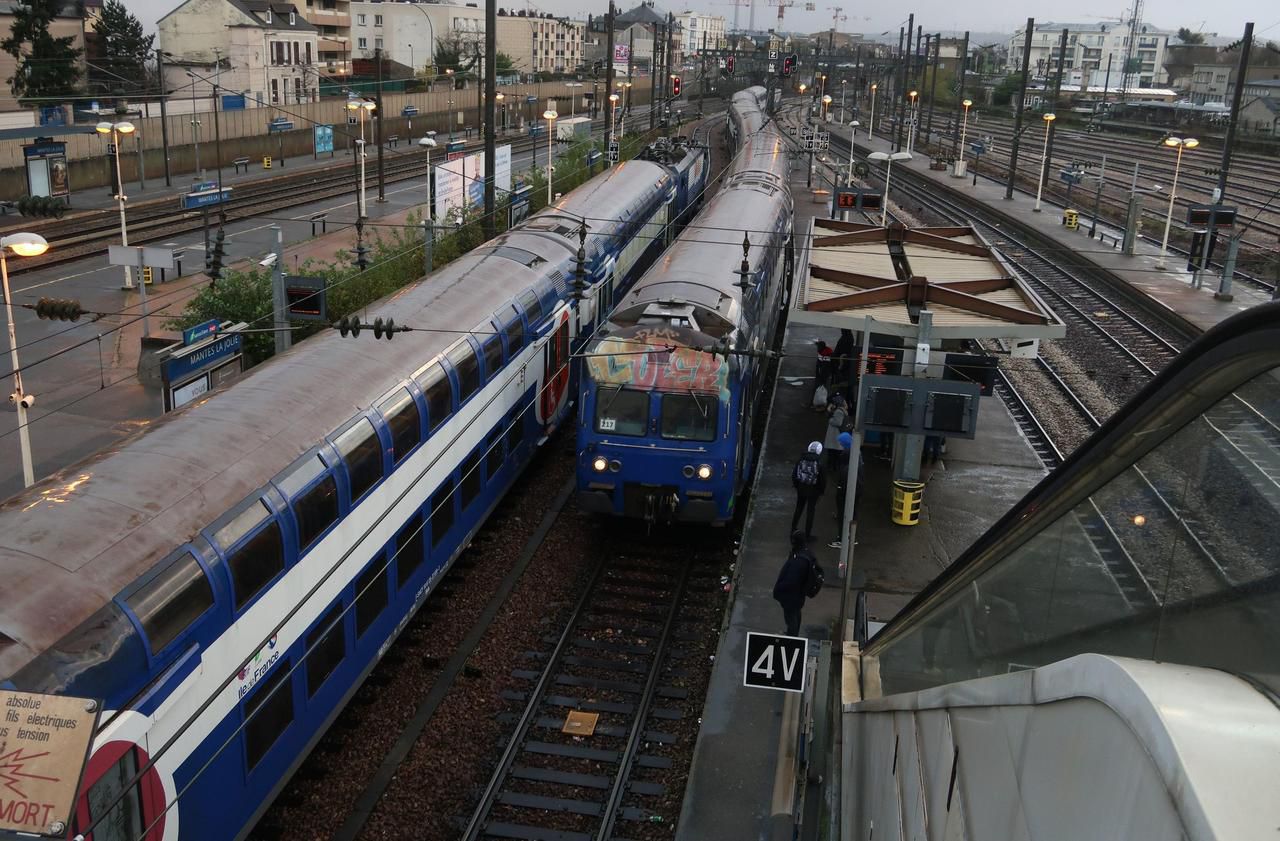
(775,662)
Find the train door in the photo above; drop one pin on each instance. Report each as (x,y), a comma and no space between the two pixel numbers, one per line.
(669,222)
(555,367)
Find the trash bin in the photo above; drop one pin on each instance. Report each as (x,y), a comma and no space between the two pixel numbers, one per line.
(906,502)
(1071,219)
(266,162)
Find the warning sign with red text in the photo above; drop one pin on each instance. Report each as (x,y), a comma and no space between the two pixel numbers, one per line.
(44,743)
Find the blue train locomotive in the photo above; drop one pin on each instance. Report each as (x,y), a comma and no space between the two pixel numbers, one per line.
(225,579)
(673,380)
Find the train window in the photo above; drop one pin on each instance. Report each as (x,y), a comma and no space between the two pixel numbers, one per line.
(622,411)
(409,554)
(441,513)
(168,604)
(515,431)
(435,385)
(256,562)
(515,333)
(123,820)
(688,417)
(532,307)
(493,453)
(267,713)
(401,414)
(371,594)
(492,356)
(469,488)
(326,646)
(243,523)
(468,369)
(315,506)
(362,452)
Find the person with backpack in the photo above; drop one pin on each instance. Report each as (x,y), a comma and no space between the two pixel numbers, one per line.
(838,423)
(799,578)
(810,481)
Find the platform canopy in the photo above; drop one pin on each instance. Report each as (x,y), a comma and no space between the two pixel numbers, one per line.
(848,273)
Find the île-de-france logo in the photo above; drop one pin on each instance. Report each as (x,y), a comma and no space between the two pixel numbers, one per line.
(15,767)
(257,658)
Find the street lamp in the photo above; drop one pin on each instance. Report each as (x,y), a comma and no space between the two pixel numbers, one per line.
(613,122)
(911,134)
(1178,143)
(23,245)
(964,131)
(195,126)
(1044,159)
(843,112)
(853,131)
(888,159)
(871,121)
(826,103)
(550,116)
(499,97)
(428,142)
(572,106)
(361,107)
(114,130)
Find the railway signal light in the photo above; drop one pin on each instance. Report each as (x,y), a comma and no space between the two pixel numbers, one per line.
(213,258)
(789,64)
(728,65)
(675,85)
(59,309)
(45,206)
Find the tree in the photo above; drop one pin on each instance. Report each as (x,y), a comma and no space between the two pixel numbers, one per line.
(48,68)
(1005,90)
(505,64)
(456,54)
(120,51)
(1186,36)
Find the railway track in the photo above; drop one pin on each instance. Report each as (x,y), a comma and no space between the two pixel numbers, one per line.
(604,680)
(88,234)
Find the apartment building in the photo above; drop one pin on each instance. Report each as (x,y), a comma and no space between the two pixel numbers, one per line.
(699,29)
(407,32)
(540,43)
(1090,47)
(263,49)
(332,20)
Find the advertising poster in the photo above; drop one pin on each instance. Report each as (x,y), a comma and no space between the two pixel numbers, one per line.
(621,57)
(459,184)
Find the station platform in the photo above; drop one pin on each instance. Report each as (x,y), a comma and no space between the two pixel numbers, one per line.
(1171,288)
(742,779)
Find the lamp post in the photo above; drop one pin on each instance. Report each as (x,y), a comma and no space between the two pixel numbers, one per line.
(448,72)
(195,126)
(871,120)
(826,103)
(550,116)
(1178,143)
(428,142)
(114,130)
(613,123)
(572,106)
(888,159)
(1044,159)
(911,134)
(361,106)
(500,98)
(843,112)
(23,245)
(853,130)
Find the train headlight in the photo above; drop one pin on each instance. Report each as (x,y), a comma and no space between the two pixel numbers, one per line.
(704,472)
(600,463)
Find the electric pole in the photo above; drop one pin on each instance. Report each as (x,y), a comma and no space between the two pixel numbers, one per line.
(489,118)
(1017,108)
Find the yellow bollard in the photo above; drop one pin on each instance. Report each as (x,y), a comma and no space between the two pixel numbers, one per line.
(906,502)
(266,162)
(1071,219)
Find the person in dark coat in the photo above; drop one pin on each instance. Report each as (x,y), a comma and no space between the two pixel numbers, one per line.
(793,580)
(822,370)
(844,356)
(809,480)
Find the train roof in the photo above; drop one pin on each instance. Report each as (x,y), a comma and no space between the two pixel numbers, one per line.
(70,543)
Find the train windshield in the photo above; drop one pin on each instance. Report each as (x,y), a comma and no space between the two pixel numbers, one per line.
(689,417)
(622,411)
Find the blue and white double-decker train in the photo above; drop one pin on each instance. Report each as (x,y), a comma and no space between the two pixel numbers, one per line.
(673,380)
(224,580)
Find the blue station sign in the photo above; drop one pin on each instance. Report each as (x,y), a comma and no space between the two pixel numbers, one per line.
(187,361)
(409,111)
(280,124)
(203,330)
(204,198)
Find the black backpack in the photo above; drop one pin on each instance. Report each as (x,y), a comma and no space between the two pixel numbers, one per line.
(806,472)
(813,584)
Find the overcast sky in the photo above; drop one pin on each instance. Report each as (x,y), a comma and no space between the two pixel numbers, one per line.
(1226,17)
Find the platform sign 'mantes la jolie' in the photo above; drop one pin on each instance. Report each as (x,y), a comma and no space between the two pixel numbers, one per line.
(44,744)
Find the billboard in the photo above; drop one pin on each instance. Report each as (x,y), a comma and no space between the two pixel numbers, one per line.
(621,57)
(459,184)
